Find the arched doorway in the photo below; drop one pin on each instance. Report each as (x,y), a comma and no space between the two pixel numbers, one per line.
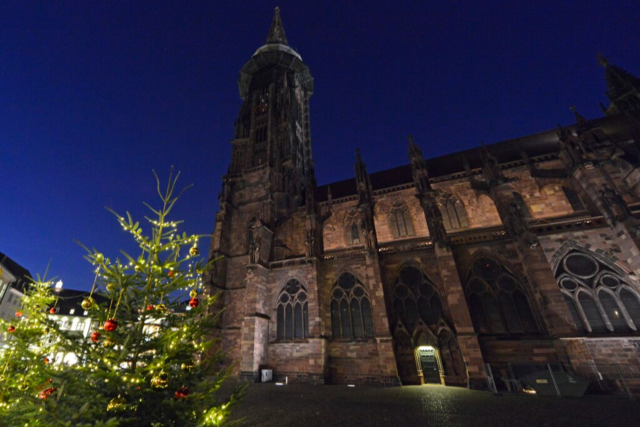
(427,357)
(425,346)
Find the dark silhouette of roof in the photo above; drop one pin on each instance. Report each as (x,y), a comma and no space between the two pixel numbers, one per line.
(69,299)
(22,275)
(538,144)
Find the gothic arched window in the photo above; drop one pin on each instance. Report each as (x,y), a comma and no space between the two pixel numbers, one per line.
(400,220)
(573,199)
(453,213)
(350,309)
(497,300)
(415,298)
(450,355)
(292,311)
(598,298)
(353,234)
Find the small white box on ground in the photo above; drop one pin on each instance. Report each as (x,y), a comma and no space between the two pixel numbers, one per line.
(266,375)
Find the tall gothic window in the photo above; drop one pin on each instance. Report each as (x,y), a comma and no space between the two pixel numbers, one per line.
(599,299)
(400,222)
(293,311)
(574,199)
(353,234)
(415,298)
(497,300)
(453,213)
(350,309)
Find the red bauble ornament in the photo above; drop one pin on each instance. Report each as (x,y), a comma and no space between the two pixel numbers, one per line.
(11,328)
(193,302)
(18,314)
(53,310)
(46,360)
(150,307)
(95,336)
(181,393)
(48,392)
(171,273)
(110,325)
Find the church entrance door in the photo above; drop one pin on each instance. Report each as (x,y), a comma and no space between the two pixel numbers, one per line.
(428,364)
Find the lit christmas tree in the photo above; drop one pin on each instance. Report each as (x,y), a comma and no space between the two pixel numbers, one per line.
(151,360)
(29,378)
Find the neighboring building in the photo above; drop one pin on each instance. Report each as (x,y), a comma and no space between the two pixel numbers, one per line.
(14,279)
(72,318)
(524,251)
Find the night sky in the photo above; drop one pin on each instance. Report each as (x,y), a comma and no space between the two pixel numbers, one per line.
(96,94)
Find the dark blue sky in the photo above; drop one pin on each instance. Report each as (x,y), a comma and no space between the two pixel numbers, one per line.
(96,94)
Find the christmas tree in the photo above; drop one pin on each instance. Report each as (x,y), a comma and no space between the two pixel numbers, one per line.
(151,360)
(30,381)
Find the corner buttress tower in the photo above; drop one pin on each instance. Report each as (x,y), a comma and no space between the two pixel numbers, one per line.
(269,180)
(272,130)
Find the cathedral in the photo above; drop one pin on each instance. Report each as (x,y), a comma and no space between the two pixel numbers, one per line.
(436,271)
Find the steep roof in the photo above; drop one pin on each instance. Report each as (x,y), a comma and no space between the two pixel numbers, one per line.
(14,268)
(506,151)
(69,299)
(276,31)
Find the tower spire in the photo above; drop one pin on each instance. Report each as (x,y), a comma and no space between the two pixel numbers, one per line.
(583,124)
(276,32)
(623,88)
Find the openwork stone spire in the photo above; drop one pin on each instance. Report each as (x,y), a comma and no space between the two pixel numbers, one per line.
(276,32)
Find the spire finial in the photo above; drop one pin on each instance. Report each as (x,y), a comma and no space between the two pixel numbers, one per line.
(603,60)
(580,120)
(415,155)
(276,32)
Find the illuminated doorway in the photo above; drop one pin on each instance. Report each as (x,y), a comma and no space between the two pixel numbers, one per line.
(428,364)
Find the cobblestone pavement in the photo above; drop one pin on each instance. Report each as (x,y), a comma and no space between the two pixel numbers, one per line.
(434,406)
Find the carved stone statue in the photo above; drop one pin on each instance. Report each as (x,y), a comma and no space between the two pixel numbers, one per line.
(254,242)
(434,221)
(491,167)
(311,241)
(368,233)
(518,227)
(517,223)
(614,204)
(256,253)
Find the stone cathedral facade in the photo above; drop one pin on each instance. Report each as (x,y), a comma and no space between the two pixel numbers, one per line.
(521,251)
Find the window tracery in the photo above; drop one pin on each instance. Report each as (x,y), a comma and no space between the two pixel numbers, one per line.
(292,311)
(497,300)
(453,213)
(416,298)
(400,220)
(350,309)
(599,299)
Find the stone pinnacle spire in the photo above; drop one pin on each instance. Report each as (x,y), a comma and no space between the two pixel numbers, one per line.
(276,32)
(583,123)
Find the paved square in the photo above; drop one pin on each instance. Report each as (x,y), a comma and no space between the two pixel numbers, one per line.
(433,406)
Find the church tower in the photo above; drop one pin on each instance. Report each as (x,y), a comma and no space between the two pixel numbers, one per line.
(267,213)
(272,130)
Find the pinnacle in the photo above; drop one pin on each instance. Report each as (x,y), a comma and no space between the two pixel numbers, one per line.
(580,120)
(619,80)
(276,32)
